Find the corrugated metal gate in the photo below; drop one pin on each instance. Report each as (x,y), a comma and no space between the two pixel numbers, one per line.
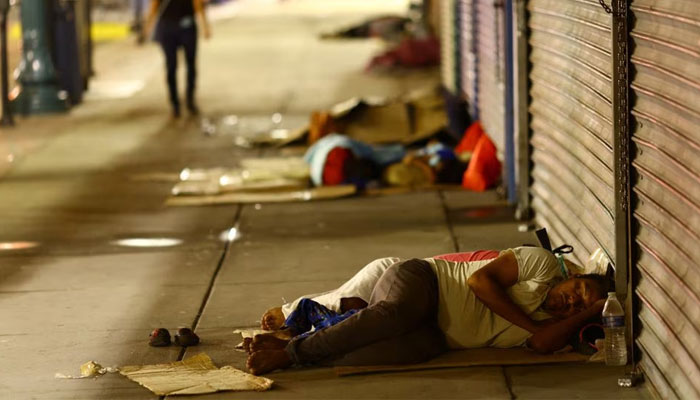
(666,119)
(490,28)
(467,51)
(571,114)
(449,45)
(571,123)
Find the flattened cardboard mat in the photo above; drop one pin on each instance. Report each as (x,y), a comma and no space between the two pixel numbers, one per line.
(194,375)
(317,193)
(470,358)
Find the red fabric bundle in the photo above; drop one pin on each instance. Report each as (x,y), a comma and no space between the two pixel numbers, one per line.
(334,168)
(477,255)
(484,169)
(470,139)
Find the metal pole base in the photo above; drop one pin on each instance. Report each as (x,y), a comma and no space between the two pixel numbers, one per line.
(42,99)
(6,119)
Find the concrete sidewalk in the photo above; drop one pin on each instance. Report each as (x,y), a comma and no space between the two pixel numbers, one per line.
(75,294)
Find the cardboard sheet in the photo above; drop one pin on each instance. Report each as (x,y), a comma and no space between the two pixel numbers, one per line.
(470,358)
(411,118)
(254,175)
(195,375)
(318,193)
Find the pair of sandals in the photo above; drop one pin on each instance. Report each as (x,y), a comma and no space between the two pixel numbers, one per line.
(160,337)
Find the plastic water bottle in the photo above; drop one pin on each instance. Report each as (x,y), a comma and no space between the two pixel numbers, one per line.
(614,323)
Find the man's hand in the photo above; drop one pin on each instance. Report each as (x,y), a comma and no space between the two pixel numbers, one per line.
(489,284)
(273,319)
(552,334)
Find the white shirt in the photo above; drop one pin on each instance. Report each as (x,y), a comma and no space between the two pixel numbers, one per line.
(360,285)
(468,323)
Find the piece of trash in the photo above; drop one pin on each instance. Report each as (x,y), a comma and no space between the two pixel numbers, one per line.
(250,333)
(258,130)
(208,127)
(185,337)
(599,356)
(160,337)
(195,375)
(88,370)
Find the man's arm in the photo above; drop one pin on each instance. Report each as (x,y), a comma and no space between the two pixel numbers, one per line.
(199,11)
(552,337)
(489,284)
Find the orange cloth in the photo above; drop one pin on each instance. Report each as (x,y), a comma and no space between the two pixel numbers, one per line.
(484,169)
(321,125)
(470,139)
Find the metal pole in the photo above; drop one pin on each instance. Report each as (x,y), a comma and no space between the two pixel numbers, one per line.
(91,69)
(138,21)
(624,263)
(524,209)
(6,119)
(37,78)
(509,114)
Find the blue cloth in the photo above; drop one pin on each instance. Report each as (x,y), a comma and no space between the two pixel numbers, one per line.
(316,155)
(310,314)
(437,152)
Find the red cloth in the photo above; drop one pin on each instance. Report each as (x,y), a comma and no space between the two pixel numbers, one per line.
(411,52)
(334,168)
(477,255)
(470,139)
(484,168)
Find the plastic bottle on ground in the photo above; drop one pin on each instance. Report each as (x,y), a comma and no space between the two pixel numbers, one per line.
(614,324)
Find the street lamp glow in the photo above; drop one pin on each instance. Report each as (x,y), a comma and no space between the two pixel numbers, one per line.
(148,242)
(8,246)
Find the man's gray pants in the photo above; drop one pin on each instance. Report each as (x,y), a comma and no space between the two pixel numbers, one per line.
(398,326)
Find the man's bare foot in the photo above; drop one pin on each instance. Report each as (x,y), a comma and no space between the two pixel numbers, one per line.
(246,344)
(273,319)
(264,361)
(284,334)
(267,342)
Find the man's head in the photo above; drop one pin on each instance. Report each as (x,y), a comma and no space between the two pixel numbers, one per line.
(575,294)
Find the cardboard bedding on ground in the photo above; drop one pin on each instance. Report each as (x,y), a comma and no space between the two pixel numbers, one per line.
(470,358)
(317,193)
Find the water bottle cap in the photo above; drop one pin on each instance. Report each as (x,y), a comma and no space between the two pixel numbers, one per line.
(611,294)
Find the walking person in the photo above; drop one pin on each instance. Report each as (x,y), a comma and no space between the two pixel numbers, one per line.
(175,28)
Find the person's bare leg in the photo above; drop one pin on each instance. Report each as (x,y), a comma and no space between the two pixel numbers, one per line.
(272,319)
(267,342)
(264,361)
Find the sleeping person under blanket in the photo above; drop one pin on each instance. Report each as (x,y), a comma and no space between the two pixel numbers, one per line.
(417,309)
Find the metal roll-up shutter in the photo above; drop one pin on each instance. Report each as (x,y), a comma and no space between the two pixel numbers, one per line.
(571,122)
(468,53)
(665,64)
(491,68)
(448,43)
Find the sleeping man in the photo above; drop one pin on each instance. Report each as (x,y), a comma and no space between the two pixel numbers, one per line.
(419,309)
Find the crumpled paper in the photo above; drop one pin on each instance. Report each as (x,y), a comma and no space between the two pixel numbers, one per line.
(195,375)
(88,370)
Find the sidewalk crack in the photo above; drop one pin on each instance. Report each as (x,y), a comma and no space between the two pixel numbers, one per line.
(448,221)
(509,383)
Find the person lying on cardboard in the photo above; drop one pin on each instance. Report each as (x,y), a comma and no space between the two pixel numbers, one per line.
(419,309)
